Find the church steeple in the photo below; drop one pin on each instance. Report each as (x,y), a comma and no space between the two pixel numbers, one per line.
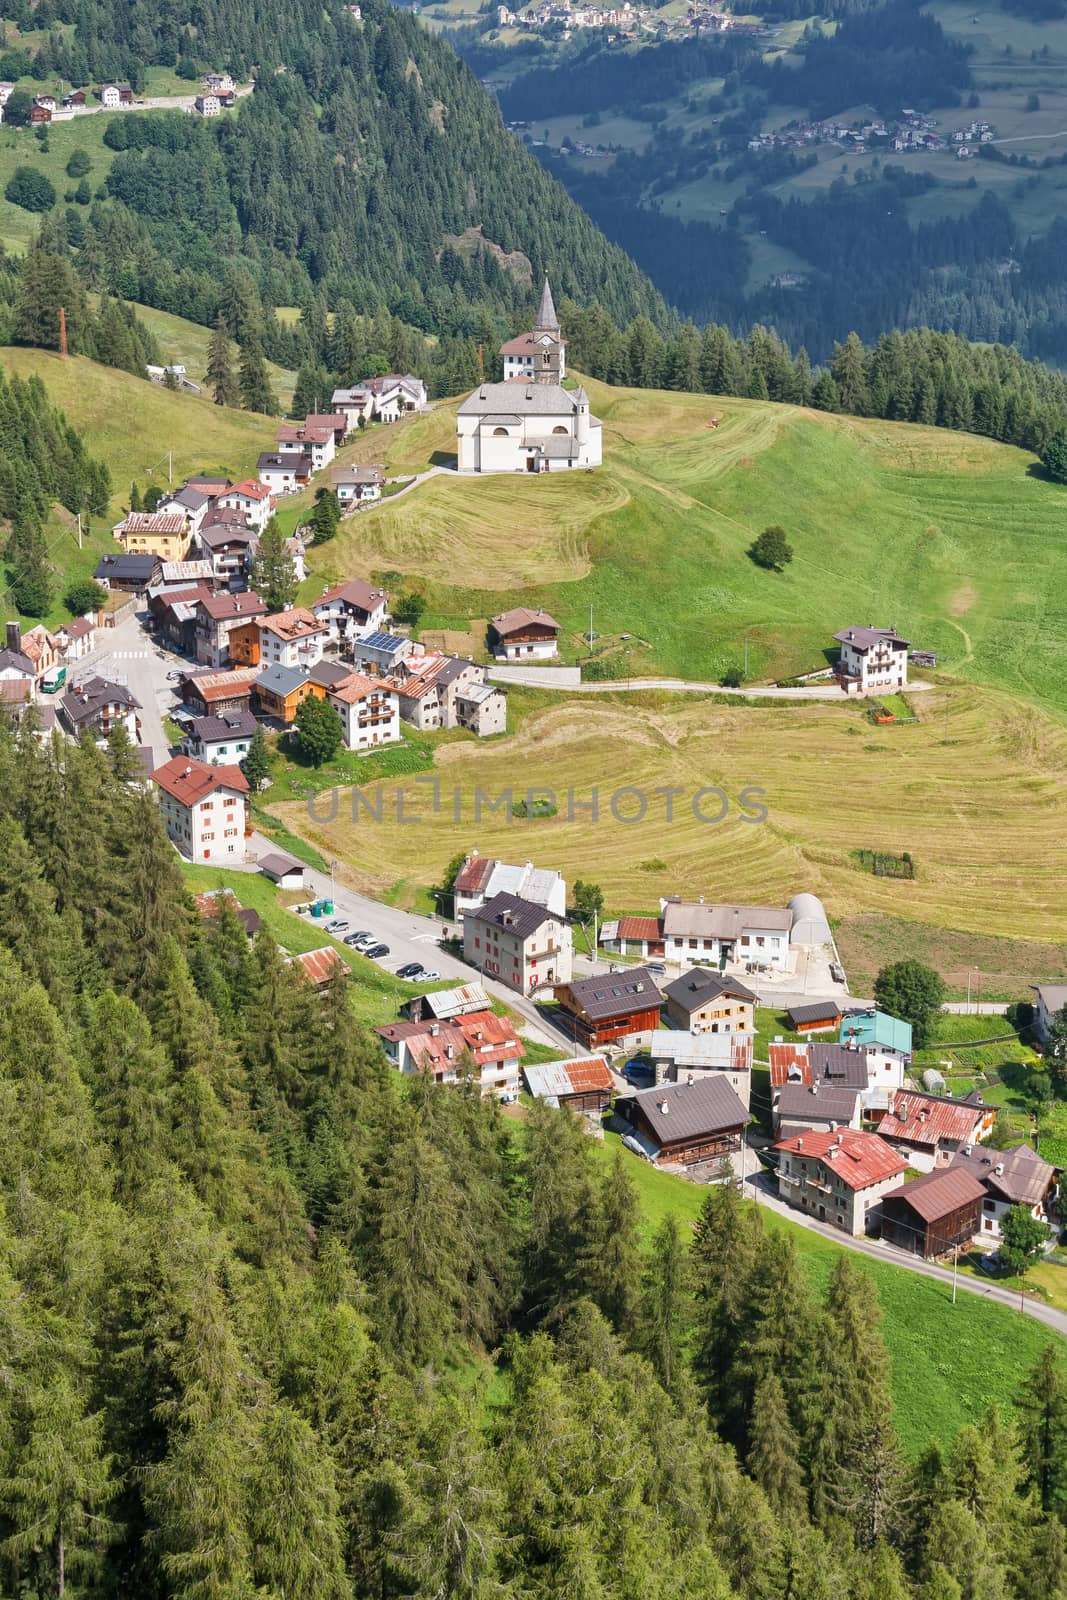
(546,316)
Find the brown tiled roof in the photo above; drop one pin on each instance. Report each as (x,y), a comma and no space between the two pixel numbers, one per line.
(357,687)
(520,617)
(190,781)
(481,1034)
(297,623)
(224,607)
(1019,1176)
(615,994)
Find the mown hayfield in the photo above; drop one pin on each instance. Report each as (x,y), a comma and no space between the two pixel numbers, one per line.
(982,814)
(955,540)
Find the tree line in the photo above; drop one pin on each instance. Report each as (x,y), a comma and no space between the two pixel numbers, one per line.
(278,1322)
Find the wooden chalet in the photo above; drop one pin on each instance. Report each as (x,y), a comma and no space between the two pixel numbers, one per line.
(685,1124)
(601,1009)
(819,1016)
(934,1214)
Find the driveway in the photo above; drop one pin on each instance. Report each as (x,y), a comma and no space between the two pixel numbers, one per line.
(759,1186)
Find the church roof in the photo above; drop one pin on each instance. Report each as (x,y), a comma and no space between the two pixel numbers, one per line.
(525,399)
(546,315)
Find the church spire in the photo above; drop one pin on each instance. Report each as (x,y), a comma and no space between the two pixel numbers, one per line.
(546,316)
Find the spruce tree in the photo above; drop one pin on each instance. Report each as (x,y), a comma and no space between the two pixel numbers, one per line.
(256,392)
(219,373)
(664,1304)
(1043,1416)
(256,762)
(273,572)
(774,1450)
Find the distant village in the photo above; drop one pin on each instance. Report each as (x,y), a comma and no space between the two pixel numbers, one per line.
(219,93)
(625,23)
(912,131)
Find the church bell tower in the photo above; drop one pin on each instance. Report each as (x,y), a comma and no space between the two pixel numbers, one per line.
(547,341)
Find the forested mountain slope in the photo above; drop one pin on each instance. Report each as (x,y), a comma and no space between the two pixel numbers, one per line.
(369,166)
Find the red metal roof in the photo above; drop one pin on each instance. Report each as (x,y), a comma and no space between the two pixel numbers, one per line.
(474,874)
(858,1159)
(640,928)
(589,1074)
(482,1034)
(928,1120)
(787,1058)
(320,965)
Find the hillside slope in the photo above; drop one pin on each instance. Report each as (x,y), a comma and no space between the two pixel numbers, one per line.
(953,539)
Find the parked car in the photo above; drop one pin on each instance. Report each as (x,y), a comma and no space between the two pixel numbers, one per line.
(411,969)
(658,968)
(360,933)
(351,939)
(991,1263)
(338,925)
(426,976)
(375,951)
(633,1143)
(837,972)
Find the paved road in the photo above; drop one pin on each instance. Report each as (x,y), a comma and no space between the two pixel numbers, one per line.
(761,1187)
(161,102)
(542,678)
(128,654)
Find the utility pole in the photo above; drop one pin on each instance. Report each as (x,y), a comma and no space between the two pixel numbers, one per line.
(590,630)
(79,530)
(955,1263)
(596,937)
(746,658)
(63,331)
(170,466)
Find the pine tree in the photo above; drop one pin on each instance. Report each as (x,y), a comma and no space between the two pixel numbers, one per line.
(219,373)
(1043,1412)
(664,1305)
(256,762)
(256,392)
(273,572)
(613,1271)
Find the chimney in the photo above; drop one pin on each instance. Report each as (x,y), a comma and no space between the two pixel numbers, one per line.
(435,1029)
(833,1127)
(665,1106)
(800,1142)
(998,1170)
(14,636)
(814,1088)
(689,1078)
(839,1141)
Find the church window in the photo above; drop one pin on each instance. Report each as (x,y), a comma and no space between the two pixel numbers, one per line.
(559,430)
(500,433)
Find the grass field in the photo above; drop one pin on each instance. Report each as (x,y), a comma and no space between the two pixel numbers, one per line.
(951,805)
(19,147)
(950,1362)
(1000,968)
(187,343)
(132,424)
(942,534)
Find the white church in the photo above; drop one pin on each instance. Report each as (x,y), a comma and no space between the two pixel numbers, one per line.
(529,423)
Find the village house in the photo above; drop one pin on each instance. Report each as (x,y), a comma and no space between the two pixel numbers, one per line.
(280,691)
(41,110)
(164,534)
(255,499)
(217,617)
(230,549)
(480,878)
(682,1057)
(823,1104)
(75,100)
(210,902)
(522,945)
(931,1128)
(381,653)
(77,639)
(428,686)
(219,83)
(189,502)
(380,399)
(15,667)
(691,1125)
(633,936)
(838,1177)
(1049,1001)
(222,740)
(815,1062)
(113,95)
(440,1004)
(97,706)
(1016,1177)
(284,471)
(207,105)
(369,712)
(871,659)
(357,486)
(325,676)
(293,638)
(174,615)
(543,349)
(286,871)
(351,610)
(180,574)
(38,645)
(609,1007)
(820,1016)
(707,1002)
(318,443)
(584,1083)
(481,709)
(887,1041)
(933,1215)
(332,421)
(130,574)
(524,635)
(204,809)
(695,931)
(218,693)
(477,1042)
